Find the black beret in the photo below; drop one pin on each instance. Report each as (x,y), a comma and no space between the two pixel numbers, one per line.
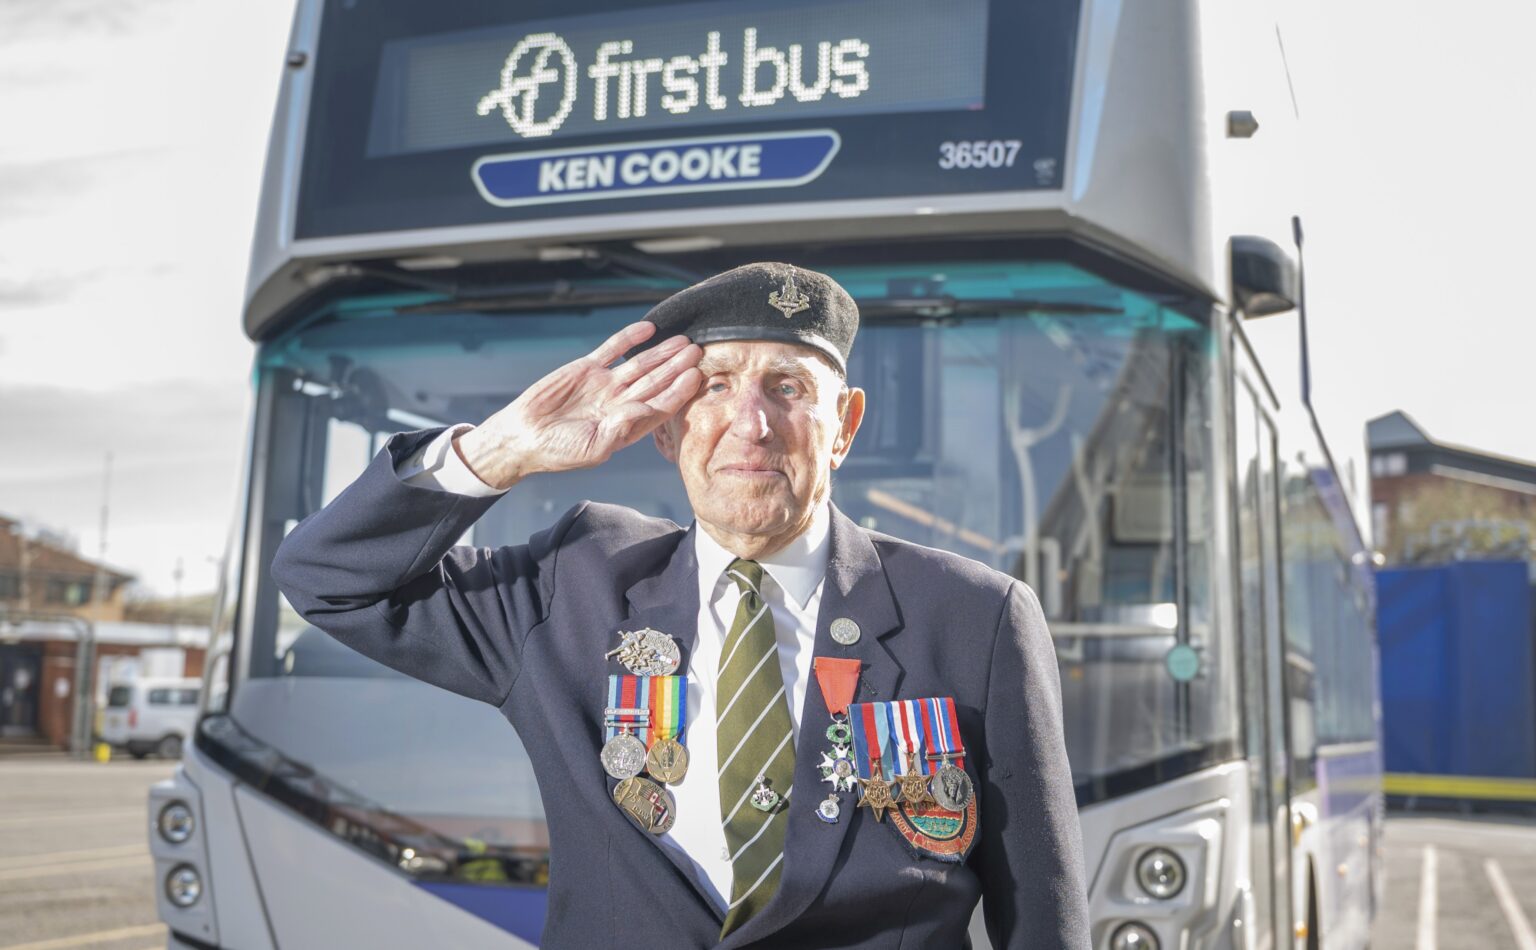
(762,301)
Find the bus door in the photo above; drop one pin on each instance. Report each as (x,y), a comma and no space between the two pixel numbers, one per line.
(1263,660)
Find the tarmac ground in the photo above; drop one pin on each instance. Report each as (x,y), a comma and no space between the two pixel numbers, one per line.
(75,870)
(1458,883)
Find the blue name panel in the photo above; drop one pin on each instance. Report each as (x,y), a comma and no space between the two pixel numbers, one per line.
(714,163)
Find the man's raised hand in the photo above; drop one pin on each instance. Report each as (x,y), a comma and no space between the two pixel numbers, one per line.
(588,409)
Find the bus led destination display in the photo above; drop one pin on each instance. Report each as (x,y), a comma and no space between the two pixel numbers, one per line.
(677,66)
(474,112)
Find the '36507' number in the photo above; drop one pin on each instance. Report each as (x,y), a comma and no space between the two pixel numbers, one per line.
(982,153)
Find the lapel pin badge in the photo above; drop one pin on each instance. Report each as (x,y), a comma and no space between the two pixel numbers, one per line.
(845,631)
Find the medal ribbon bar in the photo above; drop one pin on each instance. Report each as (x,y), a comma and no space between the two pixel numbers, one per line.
(907,730)
(887,732)
(939,717)
(668,705)
(631,694)
(872,750)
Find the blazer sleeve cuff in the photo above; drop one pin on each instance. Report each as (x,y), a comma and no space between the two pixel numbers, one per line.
(437,466)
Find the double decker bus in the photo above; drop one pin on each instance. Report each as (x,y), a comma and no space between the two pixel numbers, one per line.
(1071,228)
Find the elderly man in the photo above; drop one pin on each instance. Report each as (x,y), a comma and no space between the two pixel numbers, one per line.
(699,789)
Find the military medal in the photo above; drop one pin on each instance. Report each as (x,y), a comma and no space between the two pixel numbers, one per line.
(667,760)
(914,784)
(647,804)
(926,790)
(951,786)
(830,809)
(876,793)
(837,678)
(838,769)
(628,713)
(623,756)
(647,652)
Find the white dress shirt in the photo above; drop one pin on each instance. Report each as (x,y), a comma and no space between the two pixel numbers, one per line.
(792,587)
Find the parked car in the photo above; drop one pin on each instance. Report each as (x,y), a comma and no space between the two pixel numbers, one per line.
(151,715)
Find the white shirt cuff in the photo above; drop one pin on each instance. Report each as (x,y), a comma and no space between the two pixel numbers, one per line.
(437,466)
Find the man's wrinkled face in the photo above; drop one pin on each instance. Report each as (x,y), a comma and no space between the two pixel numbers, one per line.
(756,447)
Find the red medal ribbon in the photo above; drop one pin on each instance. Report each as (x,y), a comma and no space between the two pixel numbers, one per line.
(838,678)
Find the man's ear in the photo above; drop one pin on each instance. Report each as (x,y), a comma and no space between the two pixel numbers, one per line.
(666,440)
(851,417)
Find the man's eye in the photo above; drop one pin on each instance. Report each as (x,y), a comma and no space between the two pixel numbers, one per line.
(789,389)
(716,387)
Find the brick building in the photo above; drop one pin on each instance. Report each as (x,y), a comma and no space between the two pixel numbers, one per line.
(39,574)
(1433,502)
(47,594)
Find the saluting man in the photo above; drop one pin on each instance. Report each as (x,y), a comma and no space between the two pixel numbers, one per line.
(774,728)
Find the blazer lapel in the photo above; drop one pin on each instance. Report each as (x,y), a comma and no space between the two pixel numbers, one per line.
(669,601)
(856,588)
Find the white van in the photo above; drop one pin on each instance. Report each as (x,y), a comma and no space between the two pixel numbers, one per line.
(152,714)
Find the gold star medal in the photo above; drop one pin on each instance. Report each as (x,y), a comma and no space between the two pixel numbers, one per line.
(875,793)
(914,784)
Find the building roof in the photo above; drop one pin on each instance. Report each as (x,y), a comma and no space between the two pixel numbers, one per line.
(121,632)
(46,557)
(1397,431)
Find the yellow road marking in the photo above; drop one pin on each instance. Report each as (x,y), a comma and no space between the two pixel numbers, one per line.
(1459,786)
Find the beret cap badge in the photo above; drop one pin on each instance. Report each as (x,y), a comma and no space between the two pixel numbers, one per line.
(788,299)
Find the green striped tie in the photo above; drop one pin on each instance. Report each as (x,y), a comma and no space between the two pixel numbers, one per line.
(752,730)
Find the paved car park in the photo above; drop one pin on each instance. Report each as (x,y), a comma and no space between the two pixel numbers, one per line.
(75,869)
(1458,883)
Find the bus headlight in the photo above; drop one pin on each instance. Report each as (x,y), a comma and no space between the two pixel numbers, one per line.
(175,822)
(1160,873)
(183,886)
(1133,936)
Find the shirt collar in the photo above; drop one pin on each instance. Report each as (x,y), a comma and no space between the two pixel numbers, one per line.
(798,568)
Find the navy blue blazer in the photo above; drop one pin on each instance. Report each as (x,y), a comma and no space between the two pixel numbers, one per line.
(526,627)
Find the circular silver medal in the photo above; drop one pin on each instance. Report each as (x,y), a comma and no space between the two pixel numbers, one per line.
(623,756)
(951,787)
(845,631)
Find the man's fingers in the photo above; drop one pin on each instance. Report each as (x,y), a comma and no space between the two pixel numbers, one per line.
(662,376)
(620,343)
(631,370)
(676,396)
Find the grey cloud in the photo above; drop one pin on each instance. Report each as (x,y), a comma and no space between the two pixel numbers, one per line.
(176,449)
(23,20)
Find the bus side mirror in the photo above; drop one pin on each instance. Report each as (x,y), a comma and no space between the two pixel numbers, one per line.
(1264,277)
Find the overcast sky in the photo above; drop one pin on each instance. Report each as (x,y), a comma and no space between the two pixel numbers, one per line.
(128,188)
